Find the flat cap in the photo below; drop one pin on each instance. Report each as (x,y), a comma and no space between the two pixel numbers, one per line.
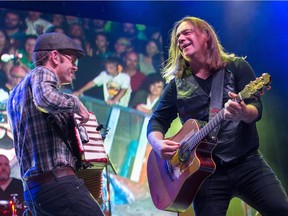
(57,41)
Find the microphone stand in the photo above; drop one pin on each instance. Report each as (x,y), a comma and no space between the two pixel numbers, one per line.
(99,128)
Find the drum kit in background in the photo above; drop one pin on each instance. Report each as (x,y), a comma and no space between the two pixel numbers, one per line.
(12,207)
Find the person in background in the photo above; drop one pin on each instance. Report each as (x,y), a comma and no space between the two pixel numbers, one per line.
(148,58)
(5,51)
(35,24)
(76,30)
(72,19)
(147,99)
(4,42)
(97,25)
(195,57)
(27,53)
(116,85)
(136,37)
(99,50)
(86,72)
(15,27)
(121,47)
(8,184)
(137,78)
(58,21)
(15,75)
(40,116)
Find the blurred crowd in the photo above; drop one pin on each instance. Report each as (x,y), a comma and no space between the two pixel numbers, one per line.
(137,49)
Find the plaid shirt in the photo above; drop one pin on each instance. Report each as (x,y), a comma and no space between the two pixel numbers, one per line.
(37,144)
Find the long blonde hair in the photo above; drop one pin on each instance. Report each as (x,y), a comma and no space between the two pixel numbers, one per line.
(216,57)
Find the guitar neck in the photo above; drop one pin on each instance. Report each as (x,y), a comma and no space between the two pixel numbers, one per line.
(218,118)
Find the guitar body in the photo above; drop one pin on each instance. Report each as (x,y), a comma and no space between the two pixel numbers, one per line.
(174,184)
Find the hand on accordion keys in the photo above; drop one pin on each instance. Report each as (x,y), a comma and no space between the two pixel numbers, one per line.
(83,134)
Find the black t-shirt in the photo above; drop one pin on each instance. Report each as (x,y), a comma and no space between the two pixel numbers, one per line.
(15,187)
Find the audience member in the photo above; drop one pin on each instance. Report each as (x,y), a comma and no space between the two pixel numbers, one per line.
(4,42)
(121,46)
(100,50)
(86,72)
(93,26)
(98,25)
(116,85)
(147,58)
(59,24)
(76,30)
(146,100)
(131,68)
(35,24)
(129,31)
(72,19)
(58,20)
(5,65)
(6,137)
(27,53)
(15,27)
(58,29)
(9,186)
(15,75)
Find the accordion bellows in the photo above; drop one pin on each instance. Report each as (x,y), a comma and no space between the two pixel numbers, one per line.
(93,150)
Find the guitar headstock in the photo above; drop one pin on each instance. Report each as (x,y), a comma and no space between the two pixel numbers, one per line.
(256,87)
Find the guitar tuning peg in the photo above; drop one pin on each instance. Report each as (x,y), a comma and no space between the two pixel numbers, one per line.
(268,87)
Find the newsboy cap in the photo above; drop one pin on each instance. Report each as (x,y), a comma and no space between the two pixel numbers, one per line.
(57,41)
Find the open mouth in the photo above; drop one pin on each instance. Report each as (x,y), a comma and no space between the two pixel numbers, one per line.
(182,47)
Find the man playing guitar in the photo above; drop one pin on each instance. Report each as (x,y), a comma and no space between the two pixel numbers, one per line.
(195,58)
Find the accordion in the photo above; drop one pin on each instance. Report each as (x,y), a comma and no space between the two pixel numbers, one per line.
(92,152)
(89,141)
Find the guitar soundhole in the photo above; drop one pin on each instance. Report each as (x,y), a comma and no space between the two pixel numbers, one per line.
(183,153)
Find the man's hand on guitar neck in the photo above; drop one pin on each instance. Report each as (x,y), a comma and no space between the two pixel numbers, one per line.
(165,148)
(83,113)
(235,111)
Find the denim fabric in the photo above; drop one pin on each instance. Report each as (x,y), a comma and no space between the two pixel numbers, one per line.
(66,196)
(252,180)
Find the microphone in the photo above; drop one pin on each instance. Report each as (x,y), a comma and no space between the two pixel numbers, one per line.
(103,133)
(99,127)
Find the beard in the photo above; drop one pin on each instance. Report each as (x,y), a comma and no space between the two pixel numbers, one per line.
(9,27)
(4,177)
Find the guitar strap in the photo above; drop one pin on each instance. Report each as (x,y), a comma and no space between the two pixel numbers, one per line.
(216,99)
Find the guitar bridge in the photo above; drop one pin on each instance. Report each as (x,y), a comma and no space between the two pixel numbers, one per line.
(183,154)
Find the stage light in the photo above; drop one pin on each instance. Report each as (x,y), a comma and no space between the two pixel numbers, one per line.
(8,57)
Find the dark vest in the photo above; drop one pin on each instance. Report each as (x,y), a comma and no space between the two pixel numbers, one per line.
(235,139)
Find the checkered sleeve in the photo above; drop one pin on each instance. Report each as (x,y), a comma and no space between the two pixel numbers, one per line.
(46,95)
